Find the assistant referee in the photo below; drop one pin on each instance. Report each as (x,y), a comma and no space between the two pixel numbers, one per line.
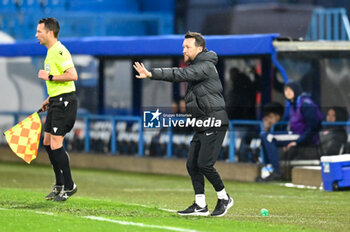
(61,105)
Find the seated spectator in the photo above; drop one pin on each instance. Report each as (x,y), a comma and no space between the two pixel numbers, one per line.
(272,113)
(333,138)
(304,122)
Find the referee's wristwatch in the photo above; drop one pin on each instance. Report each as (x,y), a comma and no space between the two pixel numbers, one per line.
(50,77)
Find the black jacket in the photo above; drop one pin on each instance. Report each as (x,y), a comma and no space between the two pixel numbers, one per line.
(332,140)
(204,97)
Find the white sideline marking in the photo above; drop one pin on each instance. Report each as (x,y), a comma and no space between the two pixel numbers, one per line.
(139,224)
(127,223)
(150,207)
(45,213)
(28,210)
(168,210)
(156,190)
(291,185)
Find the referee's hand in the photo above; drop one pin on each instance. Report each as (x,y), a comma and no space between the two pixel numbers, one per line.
(43,75)
(45,105)
(143,72)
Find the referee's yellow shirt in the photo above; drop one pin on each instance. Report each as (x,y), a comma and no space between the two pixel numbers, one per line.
(58,60)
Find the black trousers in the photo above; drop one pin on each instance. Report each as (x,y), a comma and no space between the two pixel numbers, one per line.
(204,151)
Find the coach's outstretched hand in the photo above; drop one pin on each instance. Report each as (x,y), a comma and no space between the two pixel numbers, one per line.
(143,72)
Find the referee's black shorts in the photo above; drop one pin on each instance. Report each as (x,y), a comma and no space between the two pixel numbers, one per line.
(61,114)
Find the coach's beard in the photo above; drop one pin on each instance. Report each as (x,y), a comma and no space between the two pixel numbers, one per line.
(187,60)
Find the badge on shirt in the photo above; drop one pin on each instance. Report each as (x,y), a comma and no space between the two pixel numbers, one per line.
(47,68)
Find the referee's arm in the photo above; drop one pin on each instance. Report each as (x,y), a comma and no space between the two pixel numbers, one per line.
(68,75)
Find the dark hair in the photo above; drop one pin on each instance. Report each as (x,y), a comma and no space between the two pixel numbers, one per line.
(51,24)
(296,87)
(200,41)
(273,107)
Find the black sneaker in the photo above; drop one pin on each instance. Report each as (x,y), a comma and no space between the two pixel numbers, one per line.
(65,194)
(56,189)
(222,206)
(195,210)
(272,177)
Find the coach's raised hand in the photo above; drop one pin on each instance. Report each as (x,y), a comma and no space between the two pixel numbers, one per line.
(143,72)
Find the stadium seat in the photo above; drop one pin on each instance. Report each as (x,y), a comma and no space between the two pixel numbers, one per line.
(121,126)
(122,139)
(8,6)
(254,150)
(178,141)
(55,5)
(158,6)
(148,137)
(104,5)
(35,6)
(123,24)
(75,140)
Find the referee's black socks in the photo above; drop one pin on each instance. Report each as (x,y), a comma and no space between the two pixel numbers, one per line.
(57,170)
(62,159)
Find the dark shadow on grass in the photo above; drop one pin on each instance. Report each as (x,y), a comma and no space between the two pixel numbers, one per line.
(31,206)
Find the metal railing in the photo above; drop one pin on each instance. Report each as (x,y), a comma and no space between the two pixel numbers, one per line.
(324,123)
(87,118)
(232,144)
(329,24)
(113,120)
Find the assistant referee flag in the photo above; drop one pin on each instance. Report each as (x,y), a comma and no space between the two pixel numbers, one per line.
(24,137)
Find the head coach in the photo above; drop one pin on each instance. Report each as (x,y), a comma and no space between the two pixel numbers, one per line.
(204,101)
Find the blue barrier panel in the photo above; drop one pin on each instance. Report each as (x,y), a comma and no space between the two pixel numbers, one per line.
(228,45)
(324,123)
(345,123)
(115,119)
(87,118)
(169,147)
(232,144)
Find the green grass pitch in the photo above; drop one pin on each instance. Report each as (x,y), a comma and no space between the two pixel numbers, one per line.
(119,201)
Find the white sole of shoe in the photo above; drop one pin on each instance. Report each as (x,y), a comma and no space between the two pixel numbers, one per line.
(194,214)
(227,208)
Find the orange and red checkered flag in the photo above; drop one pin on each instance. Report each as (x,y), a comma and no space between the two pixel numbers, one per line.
(24,137)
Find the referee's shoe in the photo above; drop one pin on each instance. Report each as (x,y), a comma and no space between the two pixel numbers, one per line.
(195,210)
(222,206)
(56,189)
(65,194)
